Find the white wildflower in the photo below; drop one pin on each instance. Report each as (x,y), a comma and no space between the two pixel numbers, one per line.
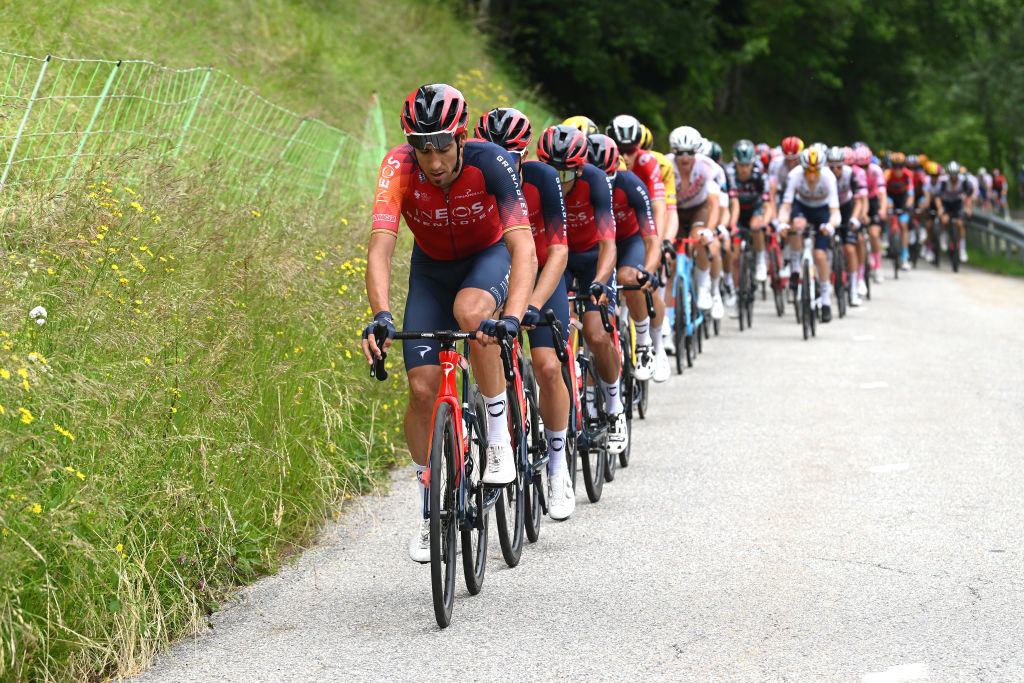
(38,314)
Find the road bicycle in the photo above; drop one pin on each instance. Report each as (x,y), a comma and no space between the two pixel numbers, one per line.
(898,221)
(840,283)
(689,319)
(455,497)
(773,255)
(807,302)
(747,288)
(634,391)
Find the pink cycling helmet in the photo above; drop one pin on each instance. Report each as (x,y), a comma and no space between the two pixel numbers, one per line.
(850,156)
(863,155)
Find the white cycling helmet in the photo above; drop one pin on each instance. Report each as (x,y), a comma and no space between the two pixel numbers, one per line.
(835,155)
(685,139)
(705,147)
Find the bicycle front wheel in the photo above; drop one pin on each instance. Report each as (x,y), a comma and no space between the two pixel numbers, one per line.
(533,487)
(679,328)
(511,505)
(443,519)
(474,540)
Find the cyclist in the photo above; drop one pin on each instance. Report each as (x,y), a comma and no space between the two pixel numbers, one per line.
(581,123)
(591,236)
(877,205)
(713,151)
(899,187)
(859,217)
(851,195)
(778,174)
(813,201)
(930,202)
(627,134)
(473,255)
(955,193)
(749,198)
(668,177)
(697,202)
(510,129)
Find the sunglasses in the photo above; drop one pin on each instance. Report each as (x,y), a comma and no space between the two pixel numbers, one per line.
(630,149)
(568,175)
(686,153)
(422,141)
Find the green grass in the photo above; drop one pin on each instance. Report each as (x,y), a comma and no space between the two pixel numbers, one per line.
(995,263)
(193,408)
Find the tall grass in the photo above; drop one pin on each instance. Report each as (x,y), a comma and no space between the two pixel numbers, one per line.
(192,406)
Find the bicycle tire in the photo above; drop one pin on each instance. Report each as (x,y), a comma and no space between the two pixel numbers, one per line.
(867,270)
(442,514)
(592,458)
(741,294)
(696,335)
(624,455)
(954,249)
(679,328)
(474,540)
(804,303)
(839,277)
(533,486)
(643,393)
(511,508)
(895,240)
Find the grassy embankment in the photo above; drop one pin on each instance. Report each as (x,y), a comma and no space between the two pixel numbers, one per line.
(193,407)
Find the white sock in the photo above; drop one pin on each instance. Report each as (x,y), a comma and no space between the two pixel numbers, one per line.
(852,277)
(556,451)
(786,255)
(419,470)
(656,340)
(794,261)
(612,400)
(715,283)
(591,398)
(760,259)
(643,331)
(497,421)
(826,292)
(703,277)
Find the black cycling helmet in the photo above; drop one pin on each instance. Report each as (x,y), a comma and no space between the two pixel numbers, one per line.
(743,152)
(505,127)
(434,115)
(715,151)
(563,147)
(603,153)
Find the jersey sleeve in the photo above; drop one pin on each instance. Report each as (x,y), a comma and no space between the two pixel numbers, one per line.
(640,201)
(392,183)
(502,181)
(650,173)
(601,201)
(790,186)
(833,191)
(552,206)
(668,177)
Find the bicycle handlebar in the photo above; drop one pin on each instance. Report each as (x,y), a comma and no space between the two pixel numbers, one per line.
(556,334)
(605,318)
(380,333)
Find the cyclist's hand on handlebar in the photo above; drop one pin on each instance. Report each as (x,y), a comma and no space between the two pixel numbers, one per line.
(487,333)
(601,294)
(706,236)
(644,278)
(827,229)
(531,317)
(381,321)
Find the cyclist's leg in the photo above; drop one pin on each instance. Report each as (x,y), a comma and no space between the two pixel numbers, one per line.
(583,267)
(756,223)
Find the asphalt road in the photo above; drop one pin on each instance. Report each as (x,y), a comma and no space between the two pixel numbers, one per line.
(847,508)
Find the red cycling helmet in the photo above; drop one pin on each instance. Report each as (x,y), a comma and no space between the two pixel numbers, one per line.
(603,153)
(505,127)
(792,146)
(563,147)
(434,115)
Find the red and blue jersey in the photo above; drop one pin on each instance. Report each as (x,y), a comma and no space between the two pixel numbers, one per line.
(899,182)
(483,203)
(543,191)
(631,206)
(588,210)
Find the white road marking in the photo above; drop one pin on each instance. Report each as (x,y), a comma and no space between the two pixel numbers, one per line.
(898,674)
(874,385)
(895,467)
(863,337)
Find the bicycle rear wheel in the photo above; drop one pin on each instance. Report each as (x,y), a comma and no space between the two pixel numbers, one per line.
(679,328)
(741,294)
(536,447)
(443,518)
(839,278)
(592,456)
(806,314)
(642,394)
(511,505)
(474,540)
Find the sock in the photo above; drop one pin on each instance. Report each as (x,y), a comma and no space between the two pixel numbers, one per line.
(556,451)
(591,394)
(794,263)
(670,315)
(853,281)
(786,255)
(612,400)
(643,331)
(760,259)
(876,260)
(860,272)
(703,277)
(715,284)
(497,421)
(656,340)
(905,254)
(419,470)
(826,292)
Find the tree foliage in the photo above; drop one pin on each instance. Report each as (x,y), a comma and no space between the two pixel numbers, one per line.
(944,77)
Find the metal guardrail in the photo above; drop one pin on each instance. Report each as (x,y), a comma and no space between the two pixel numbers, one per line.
(995,235)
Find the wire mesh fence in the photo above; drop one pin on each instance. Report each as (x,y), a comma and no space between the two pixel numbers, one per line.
(61,118)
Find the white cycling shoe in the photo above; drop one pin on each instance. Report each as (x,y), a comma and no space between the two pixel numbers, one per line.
(784,271)
(419,544)
(644,363)
(561,496)
(662,370)
(618,436)
(501,466)
(668,345)
(704,298)
(761,272)
(862,288)
(717,308)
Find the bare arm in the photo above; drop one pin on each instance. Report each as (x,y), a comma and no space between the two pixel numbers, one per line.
(550,274)
(523,272)
(378,283)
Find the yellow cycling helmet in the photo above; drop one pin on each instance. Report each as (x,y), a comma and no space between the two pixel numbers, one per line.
(646,138)
(932,168)
(581,123)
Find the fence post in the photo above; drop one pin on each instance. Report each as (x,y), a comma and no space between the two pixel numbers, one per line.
(334,161)
(192,112)
(24,120)
(266,176)
(92,122)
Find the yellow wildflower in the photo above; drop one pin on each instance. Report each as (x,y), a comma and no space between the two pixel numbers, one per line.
(36,508)
(4,373)
(26,416)
(68,468)
(23,373)
(61,430)
(80,475)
